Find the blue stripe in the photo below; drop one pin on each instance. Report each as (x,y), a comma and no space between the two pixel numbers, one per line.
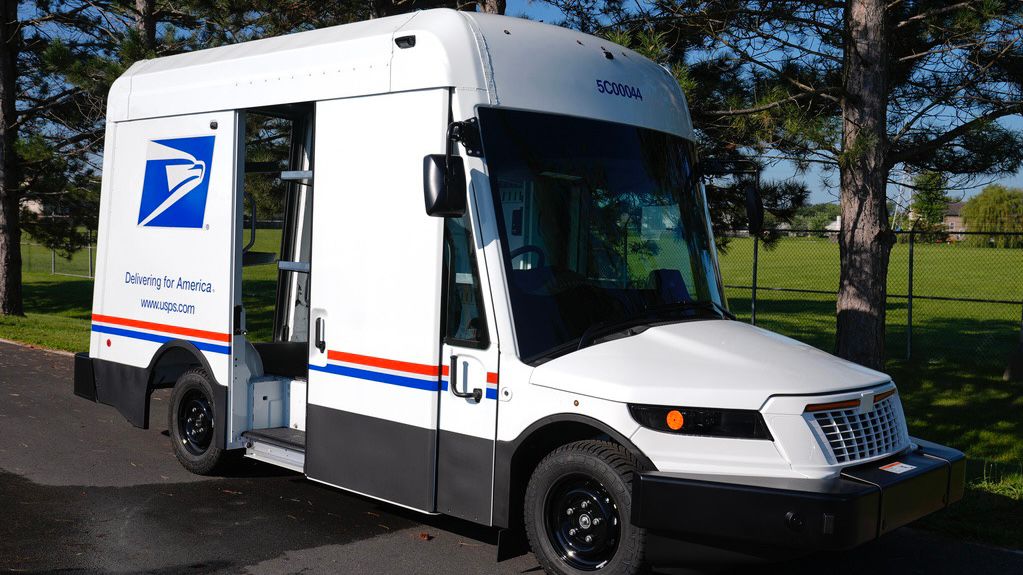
(424,384)
(159,338)
(388,378)
(491,392)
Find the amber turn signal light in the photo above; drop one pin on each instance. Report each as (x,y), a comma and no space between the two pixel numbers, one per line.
(675,420)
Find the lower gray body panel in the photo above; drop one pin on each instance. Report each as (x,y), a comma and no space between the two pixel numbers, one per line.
(465,481)
(377,457)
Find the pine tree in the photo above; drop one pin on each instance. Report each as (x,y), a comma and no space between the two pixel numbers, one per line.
(859,87)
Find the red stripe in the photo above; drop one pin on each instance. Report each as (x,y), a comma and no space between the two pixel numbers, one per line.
(394,364)
(491,376)
(187,331)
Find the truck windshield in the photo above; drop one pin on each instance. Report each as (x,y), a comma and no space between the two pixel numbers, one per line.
(604,229)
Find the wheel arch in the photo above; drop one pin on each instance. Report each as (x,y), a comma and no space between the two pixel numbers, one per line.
(174,358)
(169,363)
(515,460)
(129,388)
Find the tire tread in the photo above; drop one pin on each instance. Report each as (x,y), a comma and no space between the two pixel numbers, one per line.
(590,453)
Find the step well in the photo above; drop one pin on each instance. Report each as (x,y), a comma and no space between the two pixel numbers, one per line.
(281,446)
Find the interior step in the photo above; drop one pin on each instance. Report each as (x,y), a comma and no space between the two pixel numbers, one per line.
(282,446)
(285,437)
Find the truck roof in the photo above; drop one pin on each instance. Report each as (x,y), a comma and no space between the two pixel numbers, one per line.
(516,62)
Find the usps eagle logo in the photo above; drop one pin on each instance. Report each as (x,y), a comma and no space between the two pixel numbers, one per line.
(176,182)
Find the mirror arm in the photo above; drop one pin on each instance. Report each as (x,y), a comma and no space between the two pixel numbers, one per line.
(466,133)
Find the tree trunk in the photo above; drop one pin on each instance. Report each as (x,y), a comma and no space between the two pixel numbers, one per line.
(145,23)
(10,227)
(493,6)
(865,240)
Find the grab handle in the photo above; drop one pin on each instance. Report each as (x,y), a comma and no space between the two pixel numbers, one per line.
(475,395)
(321,342)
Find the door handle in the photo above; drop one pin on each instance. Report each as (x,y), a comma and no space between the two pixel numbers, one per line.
(321,342)
(475,395)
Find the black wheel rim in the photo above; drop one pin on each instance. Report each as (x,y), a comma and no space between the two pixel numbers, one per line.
(582,523)
(195,422)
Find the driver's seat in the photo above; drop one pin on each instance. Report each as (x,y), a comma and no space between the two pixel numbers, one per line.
(669,286)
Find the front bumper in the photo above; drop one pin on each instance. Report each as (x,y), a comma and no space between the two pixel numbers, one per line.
(751,513)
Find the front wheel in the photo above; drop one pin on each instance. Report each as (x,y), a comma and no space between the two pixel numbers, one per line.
(192,424)
(577,510)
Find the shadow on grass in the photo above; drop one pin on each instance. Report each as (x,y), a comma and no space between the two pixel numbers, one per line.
(66,297)
(984,514)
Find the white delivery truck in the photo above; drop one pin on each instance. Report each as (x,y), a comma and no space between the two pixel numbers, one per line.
(498,298)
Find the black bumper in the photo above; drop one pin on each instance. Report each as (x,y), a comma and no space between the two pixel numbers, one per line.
(863,504)
(85,377)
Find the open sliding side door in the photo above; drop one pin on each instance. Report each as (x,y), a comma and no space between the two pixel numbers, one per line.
(374,335)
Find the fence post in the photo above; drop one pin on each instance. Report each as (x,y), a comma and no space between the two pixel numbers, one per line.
(53,262)
(90,258)
(753,296)
(909,299)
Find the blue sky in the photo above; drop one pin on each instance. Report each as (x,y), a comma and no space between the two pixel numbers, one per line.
(819,191)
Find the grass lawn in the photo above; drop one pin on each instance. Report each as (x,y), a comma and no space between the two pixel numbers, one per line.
(952,387)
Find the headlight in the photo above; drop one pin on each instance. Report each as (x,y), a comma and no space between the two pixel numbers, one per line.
(734,423)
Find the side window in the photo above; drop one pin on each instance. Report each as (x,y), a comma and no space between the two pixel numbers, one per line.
(464,322)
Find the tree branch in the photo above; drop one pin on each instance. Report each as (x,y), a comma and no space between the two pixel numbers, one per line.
(929,146)
(935,12)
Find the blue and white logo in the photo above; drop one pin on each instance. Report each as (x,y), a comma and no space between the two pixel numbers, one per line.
(176,182)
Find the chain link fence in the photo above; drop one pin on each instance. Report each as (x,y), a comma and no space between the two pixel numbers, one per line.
(36,258)
(949,297)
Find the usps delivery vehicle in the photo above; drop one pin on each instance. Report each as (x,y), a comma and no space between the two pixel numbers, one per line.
(497,298)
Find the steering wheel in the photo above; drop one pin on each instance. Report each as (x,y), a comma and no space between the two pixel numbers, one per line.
(541,257)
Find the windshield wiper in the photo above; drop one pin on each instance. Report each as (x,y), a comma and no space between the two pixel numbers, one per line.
(708,304)
(648,316)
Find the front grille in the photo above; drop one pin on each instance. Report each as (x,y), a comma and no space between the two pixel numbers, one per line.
(853,436)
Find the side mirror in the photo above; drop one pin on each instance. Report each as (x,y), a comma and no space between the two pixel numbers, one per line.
(754,208)
(444,185)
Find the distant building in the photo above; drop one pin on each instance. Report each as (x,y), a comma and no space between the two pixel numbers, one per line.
(953,220)
(835,225)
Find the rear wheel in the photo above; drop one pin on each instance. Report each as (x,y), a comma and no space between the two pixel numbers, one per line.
(192,423)
(577,510)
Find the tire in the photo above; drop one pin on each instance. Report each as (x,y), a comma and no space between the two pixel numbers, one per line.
(584,489)
(191,421)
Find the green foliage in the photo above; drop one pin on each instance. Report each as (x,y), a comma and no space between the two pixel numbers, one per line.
(930,202)
(815,216)
(996,208)
(61,203)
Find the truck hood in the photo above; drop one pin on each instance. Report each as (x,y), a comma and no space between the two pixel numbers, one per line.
(712,363)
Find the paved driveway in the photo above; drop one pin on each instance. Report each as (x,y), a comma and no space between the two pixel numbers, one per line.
(83,491)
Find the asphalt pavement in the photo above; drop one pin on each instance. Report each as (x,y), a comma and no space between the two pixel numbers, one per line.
(82,491)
